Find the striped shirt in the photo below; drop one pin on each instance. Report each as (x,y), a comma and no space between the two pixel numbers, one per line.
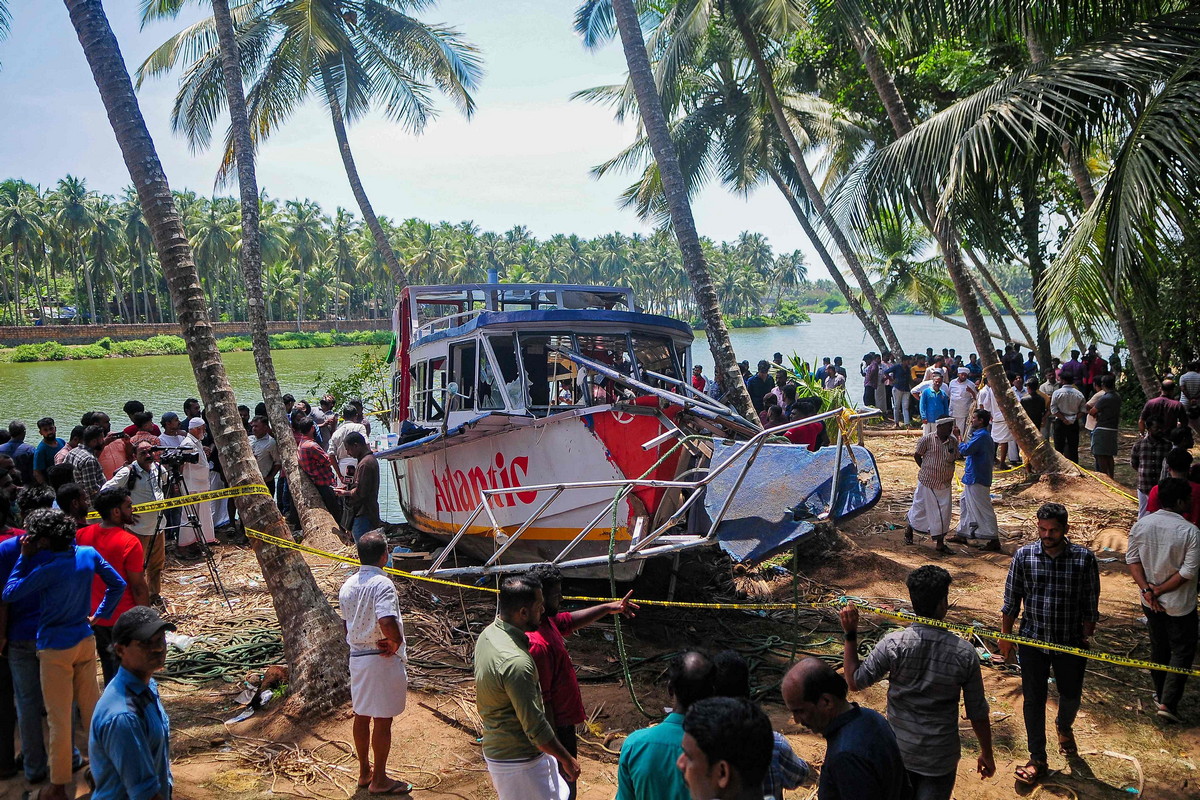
(1060,594)
(927,669)
(937,460)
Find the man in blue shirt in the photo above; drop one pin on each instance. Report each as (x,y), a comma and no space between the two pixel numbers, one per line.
(66,646)
(20,451)
(47,448)
(976,517)
(1030,368)
(935,403)
(647,767)
(130,741)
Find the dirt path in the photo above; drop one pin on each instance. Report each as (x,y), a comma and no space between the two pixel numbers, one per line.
(1117,731)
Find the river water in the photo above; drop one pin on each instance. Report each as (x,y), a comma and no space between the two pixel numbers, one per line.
(66,389)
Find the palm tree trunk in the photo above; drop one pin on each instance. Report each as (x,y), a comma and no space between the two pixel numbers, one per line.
(1040,455)
(145,288)
(1037,268)
(16,264)
(986,299)
(356,187)
(982,268)
(87,283)
(313,639)
(767,81)
(852,300)
(959,324)
(318,524)
(655,121)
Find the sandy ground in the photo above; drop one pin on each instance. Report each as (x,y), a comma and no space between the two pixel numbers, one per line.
(1124,745)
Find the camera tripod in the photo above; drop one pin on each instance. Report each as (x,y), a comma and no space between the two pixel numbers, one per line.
(177,487)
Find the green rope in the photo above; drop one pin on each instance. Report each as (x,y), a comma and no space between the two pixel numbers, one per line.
(226,656)
(612,588)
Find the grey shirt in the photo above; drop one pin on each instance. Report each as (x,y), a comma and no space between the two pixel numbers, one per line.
(927,668)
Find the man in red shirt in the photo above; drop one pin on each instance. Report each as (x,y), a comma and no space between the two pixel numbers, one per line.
(1179,465)
(123,550)
(315,463)
(560,687)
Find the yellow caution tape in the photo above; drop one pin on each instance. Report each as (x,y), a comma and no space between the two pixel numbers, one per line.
(195,499)
(964,630)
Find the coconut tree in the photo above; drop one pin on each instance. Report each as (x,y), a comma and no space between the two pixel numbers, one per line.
(349,53)
(139,246)
(306,242)
(724,128)
(650,108)
(312,634)
(69,207)
(21,227)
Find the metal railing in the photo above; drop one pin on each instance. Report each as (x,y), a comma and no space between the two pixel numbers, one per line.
(639,547)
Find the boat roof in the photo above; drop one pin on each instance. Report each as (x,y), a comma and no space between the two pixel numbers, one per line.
(495,295)
(617,320)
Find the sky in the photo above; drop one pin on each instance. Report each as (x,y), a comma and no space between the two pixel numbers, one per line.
(524,158)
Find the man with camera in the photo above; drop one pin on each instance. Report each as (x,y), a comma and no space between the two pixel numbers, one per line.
(193,465)
(145,480)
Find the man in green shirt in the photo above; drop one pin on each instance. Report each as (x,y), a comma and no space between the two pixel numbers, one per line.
(522,753)
(647,768)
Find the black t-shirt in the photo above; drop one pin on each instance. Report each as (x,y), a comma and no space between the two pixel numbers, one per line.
(1035,407)
(759,388)
(1108,410)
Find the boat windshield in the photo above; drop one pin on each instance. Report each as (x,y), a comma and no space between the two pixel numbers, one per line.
(656,354)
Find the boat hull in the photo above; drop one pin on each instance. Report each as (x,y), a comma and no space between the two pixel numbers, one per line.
(441,488)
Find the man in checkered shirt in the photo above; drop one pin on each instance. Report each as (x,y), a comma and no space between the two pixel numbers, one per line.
(1058,583)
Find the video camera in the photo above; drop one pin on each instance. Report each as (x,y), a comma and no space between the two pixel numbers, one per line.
(176,456)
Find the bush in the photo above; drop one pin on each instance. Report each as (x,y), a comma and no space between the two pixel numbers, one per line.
(167,345)
(47,351)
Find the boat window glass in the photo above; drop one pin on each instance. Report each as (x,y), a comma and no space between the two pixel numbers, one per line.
(610,349)
(462,372)
(656,354)
(506,370)
(417,391)
(550,375)
(435,384)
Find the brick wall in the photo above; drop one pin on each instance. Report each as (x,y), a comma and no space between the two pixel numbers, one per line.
(13,335)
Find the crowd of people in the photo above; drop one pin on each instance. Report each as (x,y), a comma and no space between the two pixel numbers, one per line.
(81,599)
(83,591)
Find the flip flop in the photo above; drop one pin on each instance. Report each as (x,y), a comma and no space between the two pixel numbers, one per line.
(1067,745)
(397,787)
(1032,773)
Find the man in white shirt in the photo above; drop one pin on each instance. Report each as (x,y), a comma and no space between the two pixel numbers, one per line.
(1065,406)
(144,479)
(196,477)
(266,450)
(337,443)
(1164,558)
(962,399)
(370,610)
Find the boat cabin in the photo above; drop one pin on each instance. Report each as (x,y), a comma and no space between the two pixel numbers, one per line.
(474,349)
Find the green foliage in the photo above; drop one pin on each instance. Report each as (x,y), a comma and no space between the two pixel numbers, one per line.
(368,380)
(48,351)
(788,313)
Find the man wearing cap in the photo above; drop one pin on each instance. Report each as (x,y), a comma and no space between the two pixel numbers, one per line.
(930,513)
(145,480)
(195,476)
(130,737)
(962,396)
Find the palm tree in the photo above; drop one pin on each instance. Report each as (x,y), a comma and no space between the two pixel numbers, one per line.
(139,244)
(650,108)
(312,634)
(1041,457)
(69,206)
(350,53)
(306,241)
(724,128)
(21,227)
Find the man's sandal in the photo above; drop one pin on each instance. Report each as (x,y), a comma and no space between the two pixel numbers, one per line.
(1032,773)
(1067,745)
(397,787)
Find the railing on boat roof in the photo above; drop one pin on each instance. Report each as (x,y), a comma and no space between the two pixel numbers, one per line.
(468,300)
